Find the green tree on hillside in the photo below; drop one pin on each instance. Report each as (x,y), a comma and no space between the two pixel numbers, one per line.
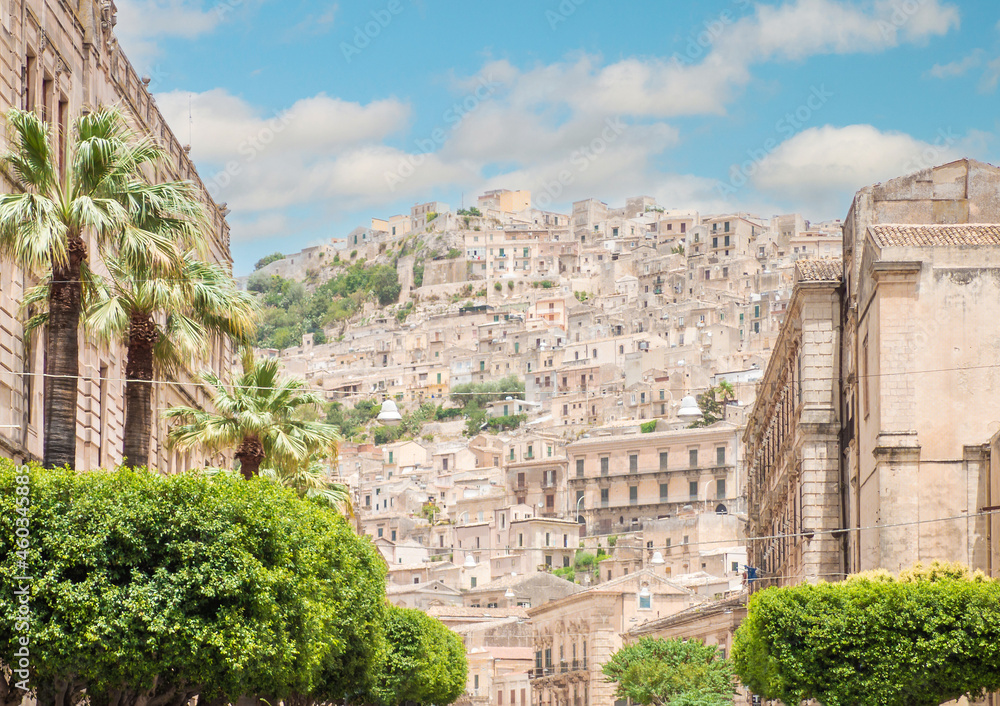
(267,260)
(712,404)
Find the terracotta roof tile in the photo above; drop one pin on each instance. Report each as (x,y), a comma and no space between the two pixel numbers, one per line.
(827,269)
(962,235)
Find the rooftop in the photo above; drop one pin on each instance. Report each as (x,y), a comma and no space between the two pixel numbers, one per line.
(827,269)
(961,235)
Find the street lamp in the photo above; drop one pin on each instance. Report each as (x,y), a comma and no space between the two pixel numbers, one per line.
(689,411)
(389,416)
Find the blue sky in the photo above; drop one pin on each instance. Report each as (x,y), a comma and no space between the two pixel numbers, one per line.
(308,117)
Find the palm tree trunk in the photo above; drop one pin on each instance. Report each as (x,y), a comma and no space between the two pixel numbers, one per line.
(62,359)
(250,453)
(139,389)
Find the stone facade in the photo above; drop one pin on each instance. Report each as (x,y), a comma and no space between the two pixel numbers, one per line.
(792,440)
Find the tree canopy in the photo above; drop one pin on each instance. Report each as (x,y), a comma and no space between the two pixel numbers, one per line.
(930,635)
(165,587)
(424,661)
(712,404)
(672,672)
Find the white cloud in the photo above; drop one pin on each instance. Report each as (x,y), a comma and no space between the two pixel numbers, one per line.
(142,22)
(821,168)
(957,68)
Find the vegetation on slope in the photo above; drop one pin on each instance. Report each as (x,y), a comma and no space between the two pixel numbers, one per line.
(289,309)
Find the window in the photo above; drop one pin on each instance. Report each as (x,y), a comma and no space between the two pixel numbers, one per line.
(715,242)
(736,566)
(565,562)
(439,378)
(520,540)
(566,540)
(725,226)
(663,492)
(393,536)
(604,499)
(579,499)
(693,489)
(720,456)
(390,457)
(579,465)
(548,657)
(547,537)
(633,463)
(475,679)
(692,458)
(664,456)
(726,242)
(633,494)
(604,465)
(645,601)
(720,488)
(472,584)
(379,531)
(548,560)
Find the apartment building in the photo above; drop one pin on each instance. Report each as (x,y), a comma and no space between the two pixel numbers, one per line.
(621,478)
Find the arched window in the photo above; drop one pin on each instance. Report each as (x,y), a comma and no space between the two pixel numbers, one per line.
(720,509)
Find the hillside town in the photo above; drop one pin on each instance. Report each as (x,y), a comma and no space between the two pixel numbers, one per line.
(619,321)
(475,455)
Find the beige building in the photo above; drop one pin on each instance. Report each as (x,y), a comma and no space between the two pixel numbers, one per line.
(60,59)
(870,445)
(792,440)
(620,478)
(711,624)
(575,635)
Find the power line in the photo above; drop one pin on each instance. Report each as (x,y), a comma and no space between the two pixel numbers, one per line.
(738,542)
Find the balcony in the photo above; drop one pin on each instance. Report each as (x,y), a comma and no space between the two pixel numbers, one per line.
(539,672)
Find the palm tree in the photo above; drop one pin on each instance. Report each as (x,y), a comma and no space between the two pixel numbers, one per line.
(102,193)
(311,480)
(257,416)
(167,324)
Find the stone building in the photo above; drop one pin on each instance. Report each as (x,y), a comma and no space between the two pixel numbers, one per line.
(620,478)
(574,636)
(792,439)
(870,444)
(59,59)
(918,365)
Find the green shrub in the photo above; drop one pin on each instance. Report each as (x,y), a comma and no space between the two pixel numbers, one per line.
(148,585)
